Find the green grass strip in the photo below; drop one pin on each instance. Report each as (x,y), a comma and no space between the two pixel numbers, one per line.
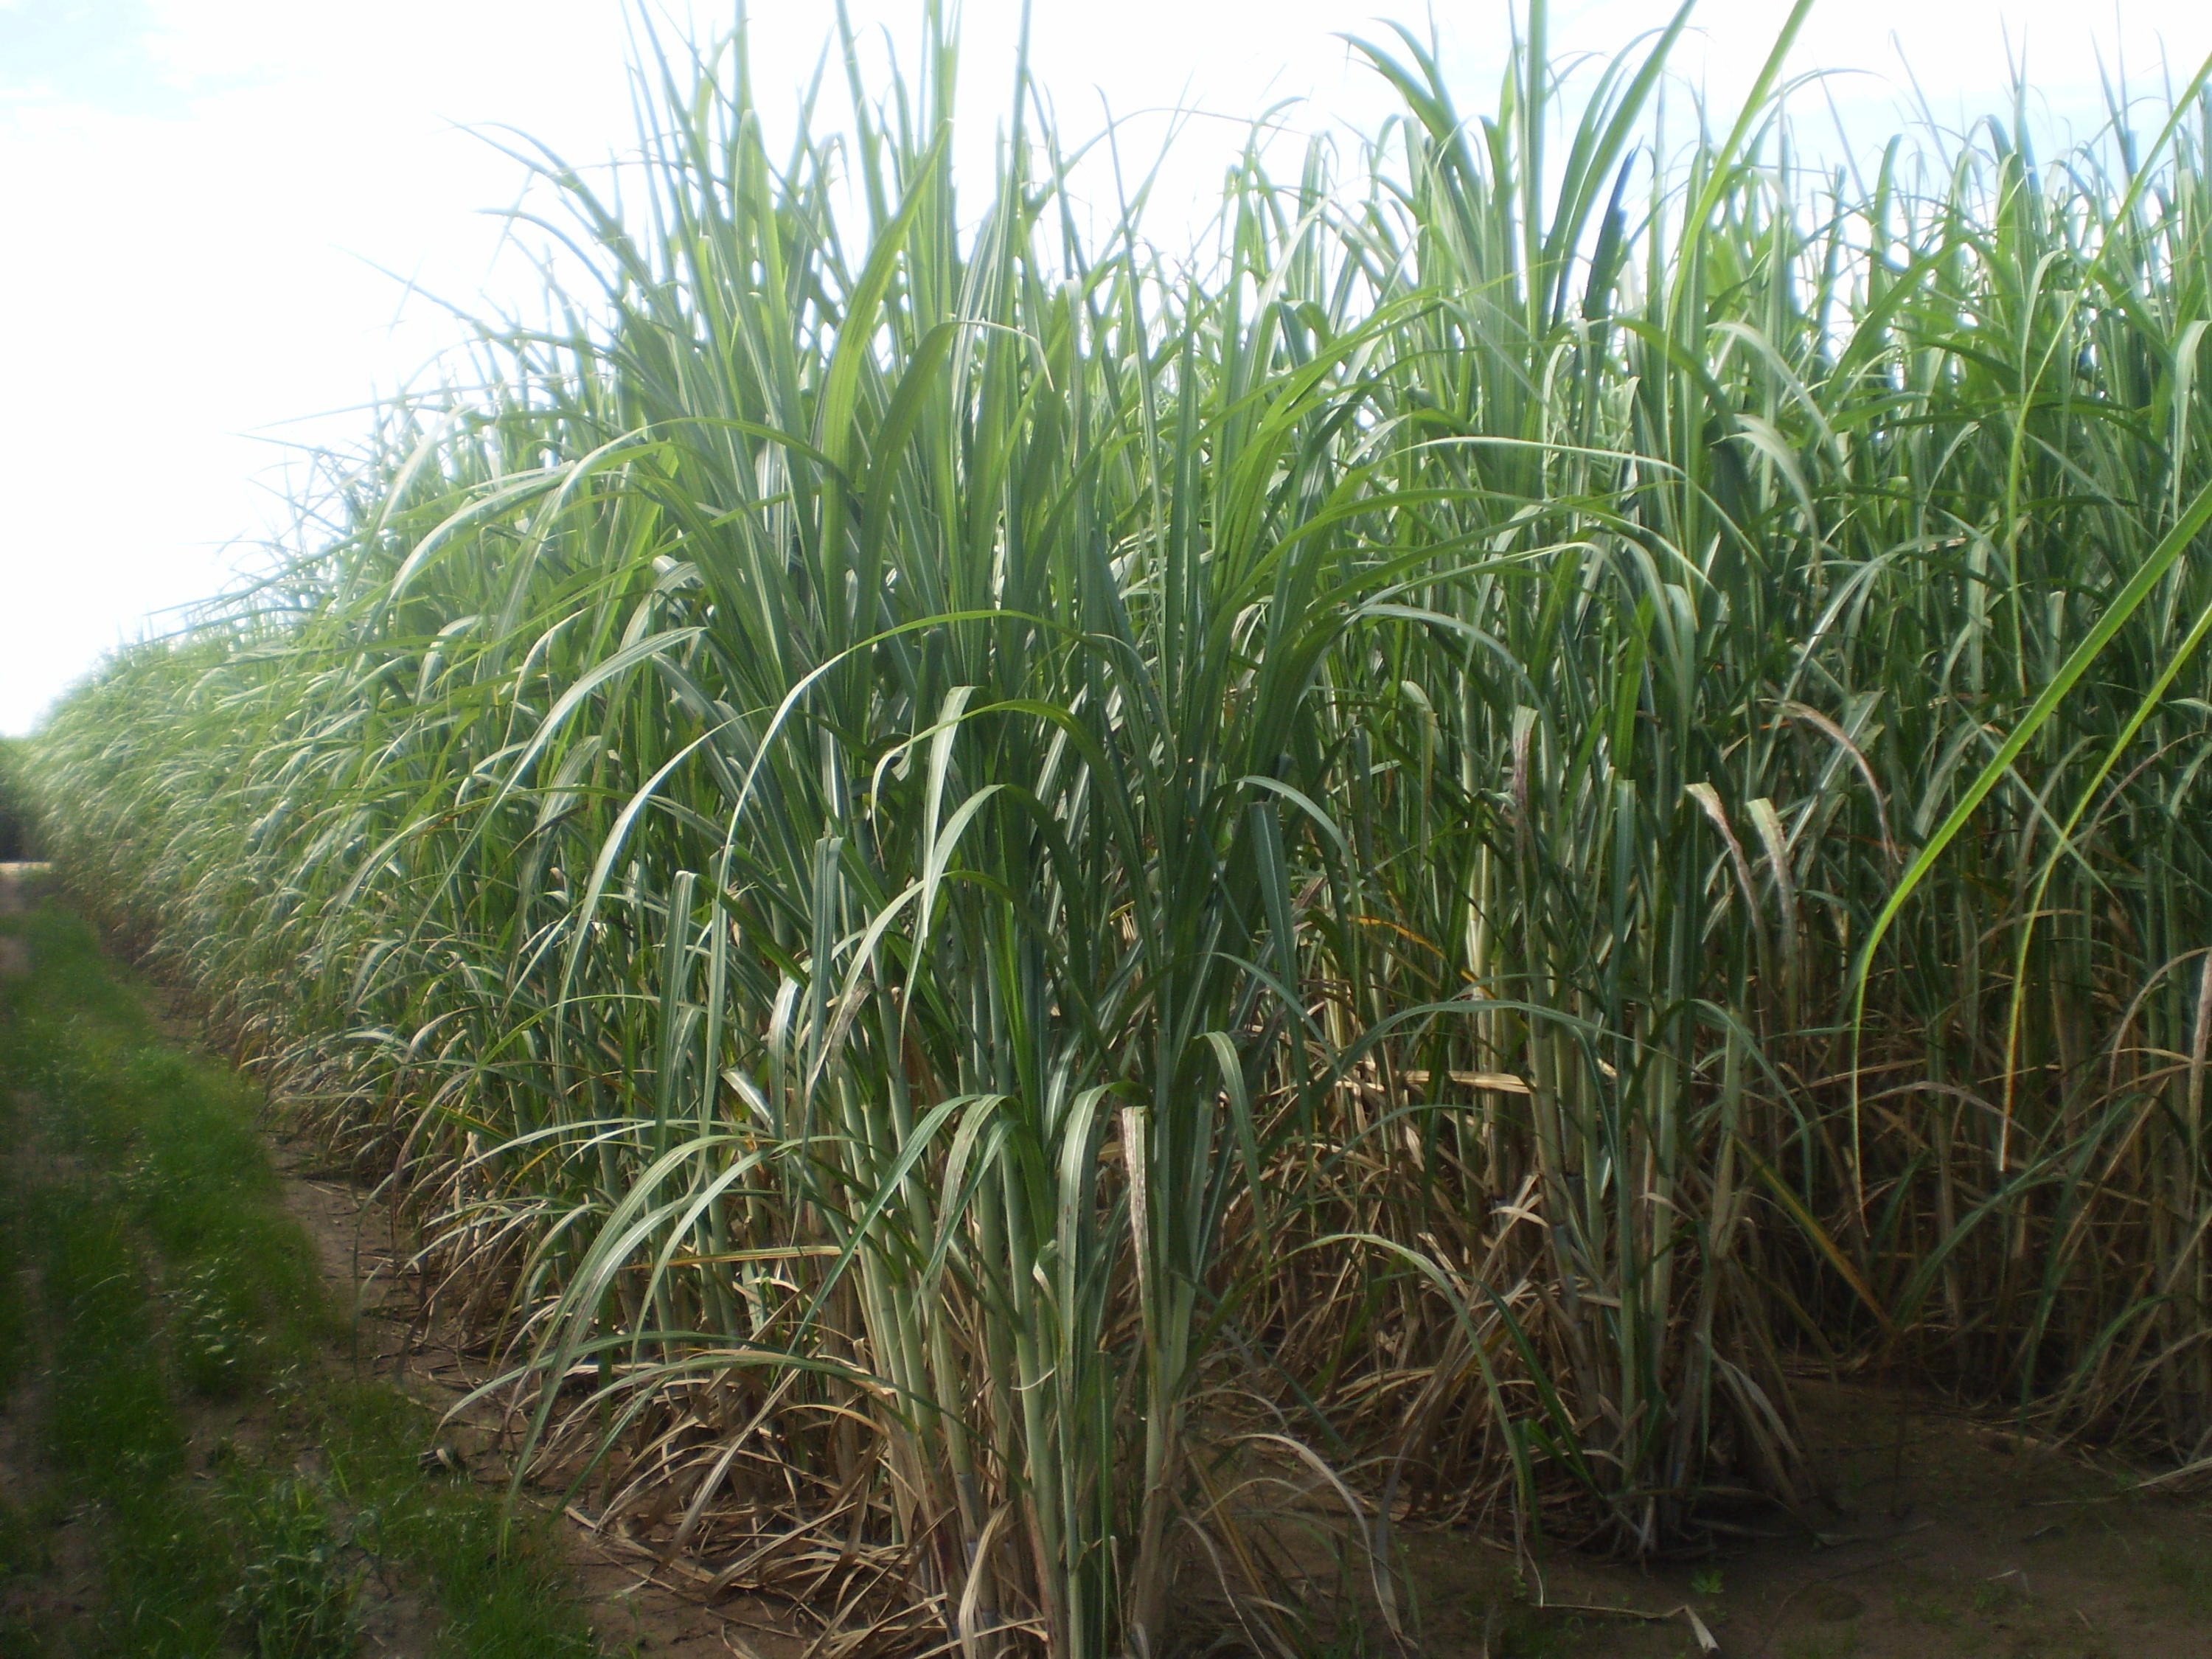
(147,1256)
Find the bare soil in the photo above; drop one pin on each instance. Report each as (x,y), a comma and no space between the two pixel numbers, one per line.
(1940,1534)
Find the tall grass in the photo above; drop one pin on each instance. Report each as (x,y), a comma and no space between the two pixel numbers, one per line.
(1005,890)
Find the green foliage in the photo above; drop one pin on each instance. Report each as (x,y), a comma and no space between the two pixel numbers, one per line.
(965,855)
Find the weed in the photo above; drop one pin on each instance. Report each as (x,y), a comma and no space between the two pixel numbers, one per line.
(2189,1573)
(1994,1598)
(1513,1630)
(1924,1607)
(214,1338)
(296,1592)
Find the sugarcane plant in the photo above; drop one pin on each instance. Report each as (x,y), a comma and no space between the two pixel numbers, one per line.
(1045,922)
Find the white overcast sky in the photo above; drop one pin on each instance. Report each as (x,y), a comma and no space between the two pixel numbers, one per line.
(208,205)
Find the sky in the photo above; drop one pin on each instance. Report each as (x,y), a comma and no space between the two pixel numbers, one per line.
(231,223)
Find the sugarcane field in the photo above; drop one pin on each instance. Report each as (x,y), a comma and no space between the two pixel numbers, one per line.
(1460,907)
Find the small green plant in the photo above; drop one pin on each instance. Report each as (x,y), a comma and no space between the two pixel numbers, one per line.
(1512,1631)
(1706,1581)
(214,1341)
(2189,1573)
(1923,1607)
(1997,1596)
(297,1592)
